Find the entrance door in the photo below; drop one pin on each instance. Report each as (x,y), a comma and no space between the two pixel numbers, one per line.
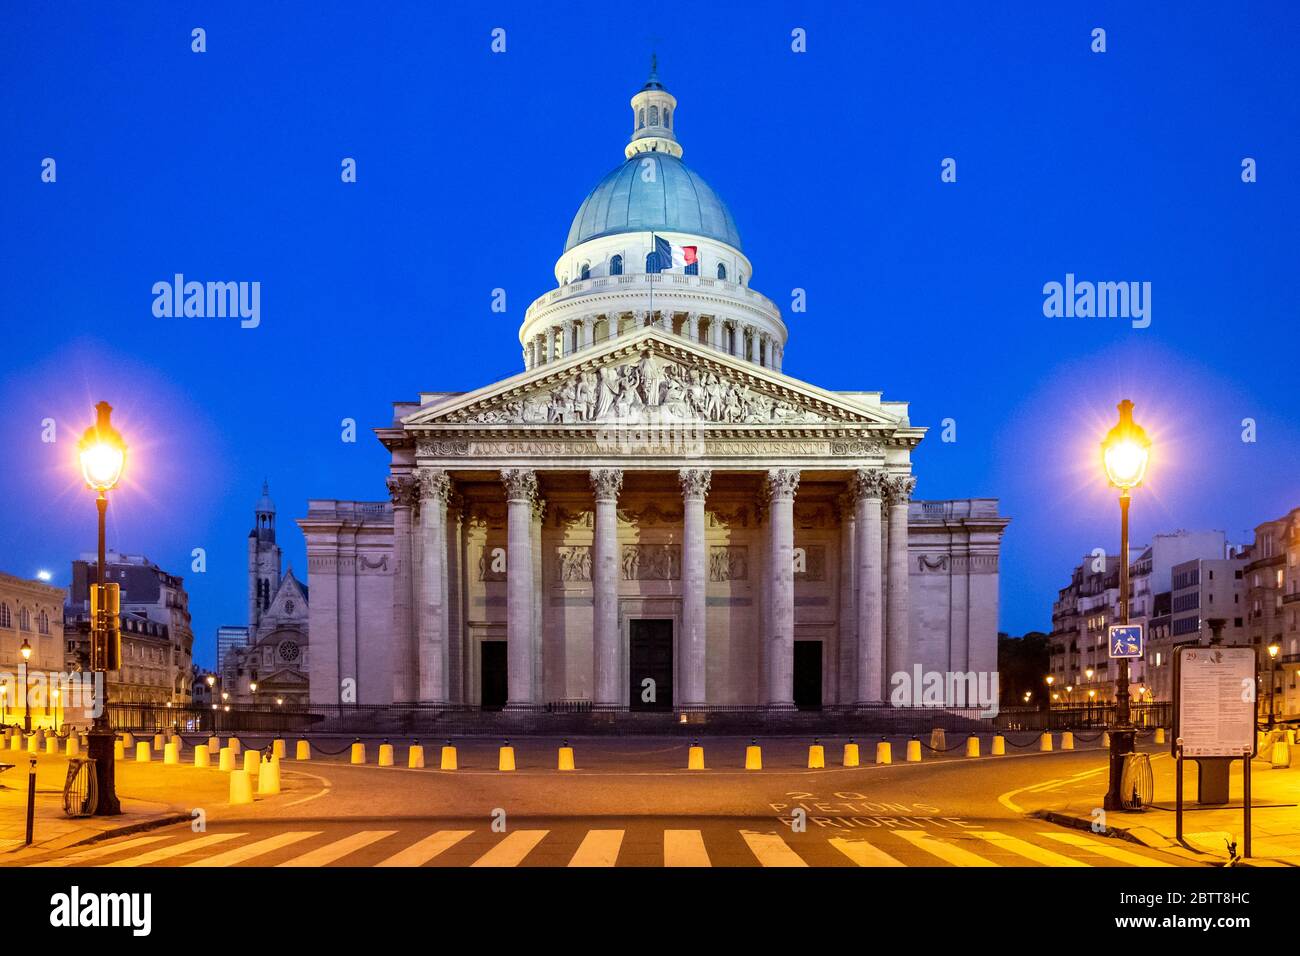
(808,675)
(650,657)
(492,668)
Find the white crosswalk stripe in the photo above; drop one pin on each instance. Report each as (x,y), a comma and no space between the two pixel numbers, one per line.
(602,848)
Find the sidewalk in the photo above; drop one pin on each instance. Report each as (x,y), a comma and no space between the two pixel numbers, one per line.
(1207,830)
(151,795)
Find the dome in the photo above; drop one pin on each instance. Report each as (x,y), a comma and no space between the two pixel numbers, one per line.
(675,200)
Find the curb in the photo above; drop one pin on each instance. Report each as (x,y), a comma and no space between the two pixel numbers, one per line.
(1148,837)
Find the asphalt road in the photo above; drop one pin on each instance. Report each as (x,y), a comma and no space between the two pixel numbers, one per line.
(632,803)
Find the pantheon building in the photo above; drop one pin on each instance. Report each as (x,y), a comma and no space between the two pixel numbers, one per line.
(650,515)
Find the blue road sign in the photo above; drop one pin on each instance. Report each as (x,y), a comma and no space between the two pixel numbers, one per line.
(1126,640)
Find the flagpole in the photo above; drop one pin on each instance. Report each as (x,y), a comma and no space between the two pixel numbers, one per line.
(654,247)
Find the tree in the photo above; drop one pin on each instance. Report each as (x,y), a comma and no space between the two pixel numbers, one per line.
(1022,665)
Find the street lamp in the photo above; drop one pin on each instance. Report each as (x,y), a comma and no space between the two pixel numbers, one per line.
(55,694)
(4,702)
(103,456)
(1124,455)
(26,652)
(1050,680)
(1273,650)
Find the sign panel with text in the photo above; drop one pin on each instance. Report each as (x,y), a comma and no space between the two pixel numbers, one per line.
(1214,701)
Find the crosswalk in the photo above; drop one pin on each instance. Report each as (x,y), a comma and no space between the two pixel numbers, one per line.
(573,846)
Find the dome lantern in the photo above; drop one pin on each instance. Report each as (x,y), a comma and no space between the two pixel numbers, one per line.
(653,116)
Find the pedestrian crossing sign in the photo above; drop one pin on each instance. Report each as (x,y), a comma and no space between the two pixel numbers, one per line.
(1126,640)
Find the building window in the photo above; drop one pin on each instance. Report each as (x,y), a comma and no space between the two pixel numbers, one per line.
(24,619)
(654,116)
(652,262)
(668,116)
(586,271)
(616,266)
(722,271)
(5,619)
(43,623)
(640,119)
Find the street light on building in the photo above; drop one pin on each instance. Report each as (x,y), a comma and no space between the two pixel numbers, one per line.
(1273,650)
(26,652)
(103,456)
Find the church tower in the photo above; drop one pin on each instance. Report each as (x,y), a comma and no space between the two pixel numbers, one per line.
(263,560)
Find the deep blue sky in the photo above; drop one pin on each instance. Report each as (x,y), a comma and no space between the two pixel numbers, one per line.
(225,166)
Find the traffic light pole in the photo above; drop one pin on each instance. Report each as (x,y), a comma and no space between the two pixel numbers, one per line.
(102,737)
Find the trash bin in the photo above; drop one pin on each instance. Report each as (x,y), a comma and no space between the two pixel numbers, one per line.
(1137,785)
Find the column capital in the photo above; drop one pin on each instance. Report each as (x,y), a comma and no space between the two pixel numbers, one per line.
(521,483)
(607,483)
(434,484)
(899,488)
(868,483)
(695,482)
(402,490)
(781,483)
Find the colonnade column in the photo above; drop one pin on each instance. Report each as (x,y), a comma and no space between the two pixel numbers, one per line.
(898,614)
(606,483)
(847,689)
(695,486)
(521,491)
(402,490)
(431,662)
(866,488)
(782,483)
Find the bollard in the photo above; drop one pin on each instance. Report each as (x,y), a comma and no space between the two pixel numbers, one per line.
(202,756)
(251,759)
(171,754)
(972,746)
(128,741)
(937,739)
(851,757)
(234,745)
(52,746)
(225,760)
(753,756)
(277,748)
(34,743)
(1045,742)
(999,747)
(72,746)
(1290,737)
(385,754)
(816,756)
(506,759)
(566,757)
(695,757)
(415,756)
(16,742)
(268,777)
(1067,740)
(914,751)
(213,745)
(885,751)
(241,787)
(31,801)
(358,752)
(119,750)
(448,760)
(302,751)
(142,752)
(1105,739)
(157,741)
(1160,735)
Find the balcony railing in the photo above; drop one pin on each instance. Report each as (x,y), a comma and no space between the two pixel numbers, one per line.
(665,281)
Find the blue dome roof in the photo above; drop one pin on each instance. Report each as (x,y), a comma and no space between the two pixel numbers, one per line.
(676,201)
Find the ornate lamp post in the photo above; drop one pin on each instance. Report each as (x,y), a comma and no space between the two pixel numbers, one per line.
(1050,680)
(1124,455)
(103,455)
(26,652)
(1273,650)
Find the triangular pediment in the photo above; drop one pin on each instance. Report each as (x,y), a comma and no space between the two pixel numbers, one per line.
(651,376)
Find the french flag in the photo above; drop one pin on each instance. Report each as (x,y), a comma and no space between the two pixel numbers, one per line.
(685,258)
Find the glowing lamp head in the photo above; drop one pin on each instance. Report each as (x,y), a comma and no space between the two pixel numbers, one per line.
(1125,451)
(1050,680)
(211,678)
(1273,649)
(26,650)
(253,687)
(102,451)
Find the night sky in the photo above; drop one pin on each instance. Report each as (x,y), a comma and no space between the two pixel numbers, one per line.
(225,166)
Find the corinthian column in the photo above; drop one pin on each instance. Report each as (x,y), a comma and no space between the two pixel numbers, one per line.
(781,486)
(695,485)
(606,483)
(435,486)
(402,490)
(847,669)
(899,488)
(866,489)
(521,490)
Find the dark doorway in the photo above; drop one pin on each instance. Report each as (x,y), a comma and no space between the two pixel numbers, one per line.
(494,673)
(650,655)
(808,675)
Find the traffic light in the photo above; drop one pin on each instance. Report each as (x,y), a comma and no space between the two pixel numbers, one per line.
(105,628)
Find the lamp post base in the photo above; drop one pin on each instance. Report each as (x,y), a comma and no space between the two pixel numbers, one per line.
(101,751)
(1122,742)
